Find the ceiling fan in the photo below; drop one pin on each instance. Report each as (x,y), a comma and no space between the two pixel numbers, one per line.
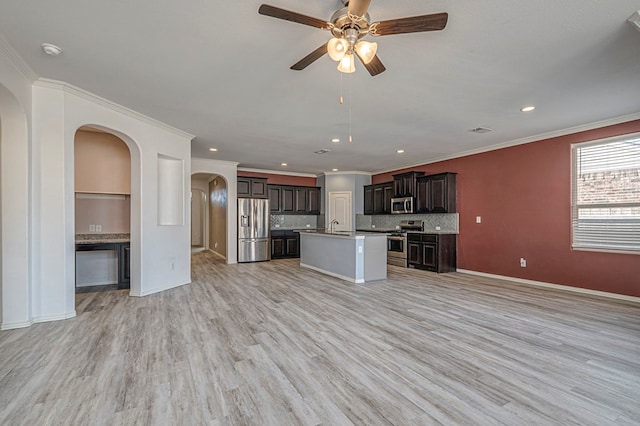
(349,25)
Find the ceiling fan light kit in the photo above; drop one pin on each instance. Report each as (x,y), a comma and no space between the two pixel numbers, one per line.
(349,25)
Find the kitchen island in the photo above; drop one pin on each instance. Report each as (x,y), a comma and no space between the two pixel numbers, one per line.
(356,257)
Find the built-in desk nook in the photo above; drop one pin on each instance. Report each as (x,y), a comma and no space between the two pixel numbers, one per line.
(102,259)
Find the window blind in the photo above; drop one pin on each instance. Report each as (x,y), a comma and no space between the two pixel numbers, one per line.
(606,194)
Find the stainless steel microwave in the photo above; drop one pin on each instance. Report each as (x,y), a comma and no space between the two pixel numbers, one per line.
(402,205)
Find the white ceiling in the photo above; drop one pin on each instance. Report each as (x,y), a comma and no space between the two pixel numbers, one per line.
(221,71)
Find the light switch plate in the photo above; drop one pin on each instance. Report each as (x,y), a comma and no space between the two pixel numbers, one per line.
(478,219)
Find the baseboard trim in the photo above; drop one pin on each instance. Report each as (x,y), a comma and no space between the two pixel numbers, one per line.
(333,274)
(14,325)
(68,315)
(554,286)
(158,290)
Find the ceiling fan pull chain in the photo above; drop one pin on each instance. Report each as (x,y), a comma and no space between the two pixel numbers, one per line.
(341,98)
(350,102)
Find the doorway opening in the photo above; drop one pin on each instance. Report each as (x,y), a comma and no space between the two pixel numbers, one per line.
(209,224)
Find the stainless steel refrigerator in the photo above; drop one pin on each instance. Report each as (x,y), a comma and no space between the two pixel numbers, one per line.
(253,230)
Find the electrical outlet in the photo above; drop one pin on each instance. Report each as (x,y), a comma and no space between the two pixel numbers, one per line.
(373,227)
(98,228)
(308,225)
(478,219)
(523,262)
(92,228)
(438,228)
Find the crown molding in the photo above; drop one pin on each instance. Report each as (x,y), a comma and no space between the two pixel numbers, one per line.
(522,141)
(219,162)
(276,172)
(350,172)
(81,93)
(17,60)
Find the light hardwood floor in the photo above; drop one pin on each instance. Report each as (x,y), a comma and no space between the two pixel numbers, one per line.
(274,344)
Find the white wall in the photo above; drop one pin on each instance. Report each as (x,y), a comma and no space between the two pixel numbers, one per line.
(15,116)
(347,181)
(229,171)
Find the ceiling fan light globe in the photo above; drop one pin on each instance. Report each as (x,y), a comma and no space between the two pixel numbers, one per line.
(366,50)
(347,64)
(336,48)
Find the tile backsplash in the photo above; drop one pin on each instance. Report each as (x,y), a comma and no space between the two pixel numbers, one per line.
(286,221)
(446,222)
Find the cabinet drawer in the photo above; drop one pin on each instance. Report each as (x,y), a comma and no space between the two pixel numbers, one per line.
(429,238)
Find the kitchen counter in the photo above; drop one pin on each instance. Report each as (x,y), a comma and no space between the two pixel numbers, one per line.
(356,257)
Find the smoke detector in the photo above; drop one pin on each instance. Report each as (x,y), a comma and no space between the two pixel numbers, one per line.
(51,49)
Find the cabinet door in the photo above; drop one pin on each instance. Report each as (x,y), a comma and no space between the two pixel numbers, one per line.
(314,201)
(292,247)
(414,253)
(387,195)
(259,188)
(287,199)
(422,195)
(277,247)
(430,256)
(378,199)
(244,187)
(368,199)
(274,199)
(301,195)
(438,194)
(124,266)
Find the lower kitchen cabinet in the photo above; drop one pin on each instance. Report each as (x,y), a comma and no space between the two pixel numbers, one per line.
(432,252)
(124,265)
(285,244)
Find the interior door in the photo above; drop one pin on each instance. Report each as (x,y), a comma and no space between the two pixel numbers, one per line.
(340,209)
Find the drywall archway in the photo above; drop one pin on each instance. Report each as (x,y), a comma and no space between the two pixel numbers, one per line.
(228,171)
(15,284)
(135,200)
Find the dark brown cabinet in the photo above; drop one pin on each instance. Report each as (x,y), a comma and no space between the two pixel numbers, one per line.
(404,184)
(252,187)
(124,265)
(294,199)
(436,193)
(432,252)
(377,198)
(285,244)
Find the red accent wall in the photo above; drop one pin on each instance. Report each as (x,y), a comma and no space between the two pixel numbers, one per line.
(276,179)
(523,194)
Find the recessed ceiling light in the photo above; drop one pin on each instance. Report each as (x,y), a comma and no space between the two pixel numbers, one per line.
(334,170)
(51,49)
(213,149)
(335,140)
(527,108)
(400,151)
(283,164)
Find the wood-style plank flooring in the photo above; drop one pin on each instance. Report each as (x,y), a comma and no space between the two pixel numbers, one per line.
(274,344)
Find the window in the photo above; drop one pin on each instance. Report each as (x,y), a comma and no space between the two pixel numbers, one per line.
(606,194)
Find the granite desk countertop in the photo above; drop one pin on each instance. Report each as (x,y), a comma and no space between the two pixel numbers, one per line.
(102,238)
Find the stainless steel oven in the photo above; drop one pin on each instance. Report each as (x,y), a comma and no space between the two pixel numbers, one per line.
(397,249)
(397,242)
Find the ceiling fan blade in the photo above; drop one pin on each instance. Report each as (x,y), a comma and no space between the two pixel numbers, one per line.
(374,67)
(414,24)
(287,15)
(310,58)
(358,7)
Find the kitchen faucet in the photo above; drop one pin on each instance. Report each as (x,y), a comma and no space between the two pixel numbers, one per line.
(333,222)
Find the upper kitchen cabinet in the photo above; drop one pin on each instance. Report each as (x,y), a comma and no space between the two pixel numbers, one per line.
(252,187)
(286,199)
(102,163)
(404,184)
(377,198)
(436,193)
